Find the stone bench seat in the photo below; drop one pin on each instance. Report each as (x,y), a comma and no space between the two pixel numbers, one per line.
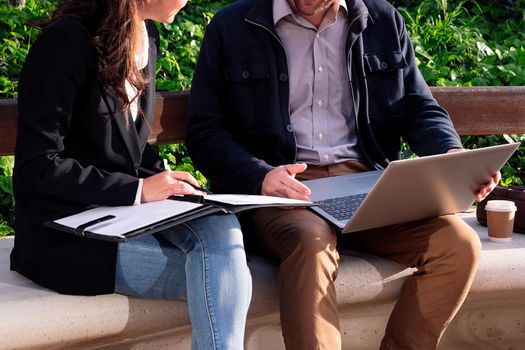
(493,317)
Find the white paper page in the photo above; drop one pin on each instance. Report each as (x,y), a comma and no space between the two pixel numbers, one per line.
(248,199)
(128,218)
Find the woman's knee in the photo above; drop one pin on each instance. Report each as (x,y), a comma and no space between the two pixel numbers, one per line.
(216,231)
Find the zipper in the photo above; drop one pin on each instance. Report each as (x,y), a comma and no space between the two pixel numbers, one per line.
(289,87)
(349,71)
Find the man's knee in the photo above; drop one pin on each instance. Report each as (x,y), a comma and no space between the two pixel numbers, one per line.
(312,256)
(314,238)
(462,242)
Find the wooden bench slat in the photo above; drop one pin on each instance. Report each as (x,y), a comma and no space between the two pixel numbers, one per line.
(8,115)
(484,110)
(474,111)
(170,118)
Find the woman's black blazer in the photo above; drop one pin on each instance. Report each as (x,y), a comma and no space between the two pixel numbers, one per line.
(74,148)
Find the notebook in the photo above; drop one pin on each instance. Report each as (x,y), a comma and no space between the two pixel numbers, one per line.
(407,190)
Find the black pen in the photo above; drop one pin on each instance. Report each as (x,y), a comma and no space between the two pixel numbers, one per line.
(150,172)
(198,188)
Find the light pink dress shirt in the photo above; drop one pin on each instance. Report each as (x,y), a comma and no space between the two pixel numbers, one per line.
(321,109)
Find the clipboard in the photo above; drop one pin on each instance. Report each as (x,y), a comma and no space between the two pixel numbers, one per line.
(119,224)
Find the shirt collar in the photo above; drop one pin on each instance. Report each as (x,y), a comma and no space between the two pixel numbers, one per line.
(282,9)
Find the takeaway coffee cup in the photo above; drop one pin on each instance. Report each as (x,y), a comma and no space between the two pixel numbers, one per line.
(500,220)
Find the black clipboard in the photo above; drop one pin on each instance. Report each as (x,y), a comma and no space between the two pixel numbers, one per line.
(97,222)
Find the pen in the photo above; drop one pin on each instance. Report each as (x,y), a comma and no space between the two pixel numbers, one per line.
(81,228)
(150,172)
(198,188)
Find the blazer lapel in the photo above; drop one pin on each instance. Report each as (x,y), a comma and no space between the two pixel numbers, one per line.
(129,134)
(126,128)
(147,100)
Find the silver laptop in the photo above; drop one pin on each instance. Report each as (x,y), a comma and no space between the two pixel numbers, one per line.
(407,190)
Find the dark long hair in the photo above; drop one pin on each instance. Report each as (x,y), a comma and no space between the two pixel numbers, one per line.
(113,26)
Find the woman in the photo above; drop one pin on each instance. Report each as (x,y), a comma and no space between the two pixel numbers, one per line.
(86,97)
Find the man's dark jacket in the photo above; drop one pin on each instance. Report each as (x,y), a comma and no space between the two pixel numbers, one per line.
(239,121)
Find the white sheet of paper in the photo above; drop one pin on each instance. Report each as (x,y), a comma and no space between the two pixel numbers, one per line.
(247,199)
(128,218)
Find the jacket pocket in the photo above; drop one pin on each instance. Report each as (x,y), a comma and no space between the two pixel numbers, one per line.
(248,93)
(247,73)
(384,75)
(384,62)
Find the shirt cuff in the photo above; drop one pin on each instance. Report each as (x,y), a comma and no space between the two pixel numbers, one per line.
(139,192)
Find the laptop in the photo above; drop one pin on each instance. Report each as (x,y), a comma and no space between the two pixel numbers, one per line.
(407,190)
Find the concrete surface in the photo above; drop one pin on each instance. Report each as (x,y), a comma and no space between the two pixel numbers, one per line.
(493,317)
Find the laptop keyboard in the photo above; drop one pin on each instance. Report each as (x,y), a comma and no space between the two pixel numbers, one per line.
(342,208)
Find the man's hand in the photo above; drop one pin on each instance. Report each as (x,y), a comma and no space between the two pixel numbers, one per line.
(281,182)
(486,188)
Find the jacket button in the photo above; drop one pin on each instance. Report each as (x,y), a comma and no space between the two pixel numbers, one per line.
(245,74)
(289,128)
(384,65)
(283,77)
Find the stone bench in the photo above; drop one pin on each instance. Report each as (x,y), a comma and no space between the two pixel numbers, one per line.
(493,315)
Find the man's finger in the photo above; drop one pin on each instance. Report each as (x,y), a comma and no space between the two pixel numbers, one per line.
(292,193)
(296,186)
(293,169)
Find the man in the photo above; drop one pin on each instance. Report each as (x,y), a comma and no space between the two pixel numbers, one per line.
(287,90)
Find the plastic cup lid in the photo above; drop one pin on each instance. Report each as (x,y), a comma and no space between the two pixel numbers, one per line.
(500,205)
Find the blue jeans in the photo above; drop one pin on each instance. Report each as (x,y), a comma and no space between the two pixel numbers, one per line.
(201,261)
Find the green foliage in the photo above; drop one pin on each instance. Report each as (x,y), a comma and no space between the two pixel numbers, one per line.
(462,43)
(16,37)
(176,157)
(7,200)
(180,44)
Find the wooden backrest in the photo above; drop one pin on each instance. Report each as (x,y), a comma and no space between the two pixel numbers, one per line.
(474,111)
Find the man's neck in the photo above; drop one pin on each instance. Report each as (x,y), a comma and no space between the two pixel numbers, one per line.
(317,18)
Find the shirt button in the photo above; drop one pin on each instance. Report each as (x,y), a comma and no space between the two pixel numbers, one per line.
(326,156)
(283,77)
(245,74)
(317,35)
(321,136)
(384,65)
(289,128)
(320,68)
(320,103)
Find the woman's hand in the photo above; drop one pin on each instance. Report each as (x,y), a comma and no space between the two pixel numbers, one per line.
(168,183)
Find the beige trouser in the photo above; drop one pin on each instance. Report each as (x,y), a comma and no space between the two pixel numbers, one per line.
(444,250)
